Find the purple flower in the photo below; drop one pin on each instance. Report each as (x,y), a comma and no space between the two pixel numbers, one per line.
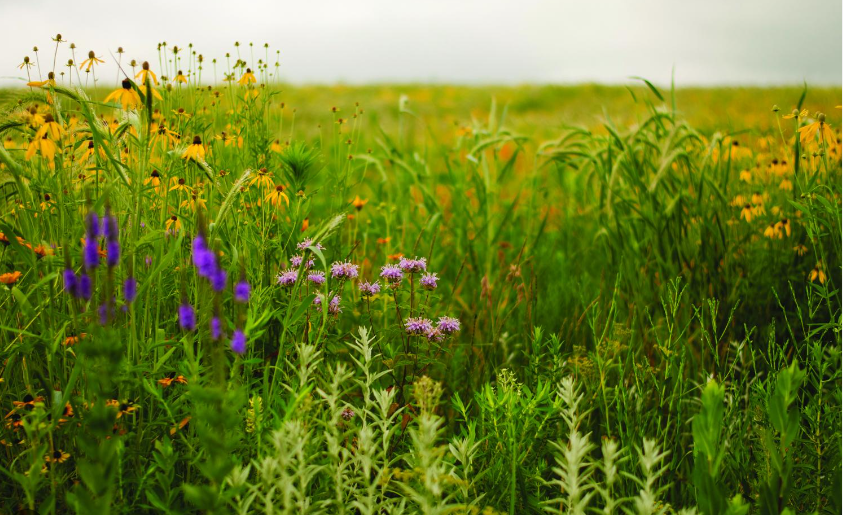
(216,328)
(448,325)
(392,273)
(435,335)
(287,277)
(316,277)
(296,261)
(241,291)
(112,249)
(344,270)
(104,311)
(334,306)
(83,286)
(428,281)
(418,326)
(203,258)
(308,242)
(368,289)
(93,226)
(347,414)
(91,253)
(238,342)
(413,265)
(218,280)
(70,283)
(187,317)
(147,260)
(109,226)
(130,289)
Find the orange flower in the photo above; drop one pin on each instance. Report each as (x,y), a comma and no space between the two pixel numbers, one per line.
(10,278)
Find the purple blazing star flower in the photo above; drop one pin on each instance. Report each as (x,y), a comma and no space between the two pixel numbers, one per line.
(448,325)
(428,281)
(203,258)
(130,289)
(216,328)
(287,277)
(218,280)
(70,282)
(103,311)
(344,270)
(418,326)
(83,287)
(238,342)
(308,242)
(316,277)
(241,291)
(368,289)
(392,273)
(93,226)
(187,317)
(112,249)
(91,253)
(413,265)
(109,226)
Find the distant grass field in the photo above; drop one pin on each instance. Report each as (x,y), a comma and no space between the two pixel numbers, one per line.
(423,299)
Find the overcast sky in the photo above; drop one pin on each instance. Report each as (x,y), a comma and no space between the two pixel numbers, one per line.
(462,41)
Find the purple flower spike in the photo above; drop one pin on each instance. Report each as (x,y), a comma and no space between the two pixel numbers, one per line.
(203,258)
(109,227)
(238,342)
(448,325)
(103,313)
(187,317)
(112,248)
(218,280)
(91,253)
(417,326)
(287,278)
(93,226)
(428,281)
(70,283)
(216,328)
(83,286)
(130,289)
(241,292)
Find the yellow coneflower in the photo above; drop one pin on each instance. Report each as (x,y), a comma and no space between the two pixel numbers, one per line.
(747,212)
(772,232)
(180,78)
(44,145)
(146,74)
(194,200)
(247,78)
(154,179)
(800,250)
(196,151)
(786,185)
(358,203)
(818,273)
(179,184)
(276,147)
(66,413)
(276,195)
(123,408)
(173,223)
(58,456)
(263,179)
(739,200)
(50,128)
(796,114)
(127,96)
(26,64)
(783,226)
(10,278)
(155,94)
(91,61)
(809,133)
(181,112)
(746,176)
(162,133)
(72,340)
(51,81)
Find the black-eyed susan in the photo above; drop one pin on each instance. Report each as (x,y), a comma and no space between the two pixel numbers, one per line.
(123,408)
(145,74)
(154,179)
(128,97)
(275,196)
(179,184)
(92,60)
(196,151)
(358,203)
(57,456)
(173,224)
(247,78)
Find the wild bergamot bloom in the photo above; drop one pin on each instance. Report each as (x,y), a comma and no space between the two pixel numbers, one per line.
(287,277)
(128,97)
(417,326)
(196,151)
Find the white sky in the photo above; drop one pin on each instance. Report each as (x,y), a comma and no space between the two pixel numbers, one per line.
(460,41)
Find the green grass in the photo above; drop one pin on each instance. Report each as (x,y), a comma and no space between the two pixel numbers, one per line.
(633,336)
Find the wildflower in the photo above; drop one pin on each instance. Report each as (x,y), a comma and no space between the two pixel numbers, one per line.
(130,289)
(417,326)
(128,97)
(83,287)
(173,224)
(90,62)
(90,253)
(287,277)
(241,291)
(216,328)
(26,63)
(334,305)
(180,78)
(238,342)
(428,281)
(786,185)
(218,280)
(203,258)
(263,179)
(347,414)
(50,128)
(435,335)
(179,184)
(448,325)
(317,277)
(783,226)
(51,81)
(392,274)
(296,262)
(154,179)
(368,289)
(123,408)
(70,281)
(146,74)
(247,78)
(772,232)
(358,203)
(413,265)
(308,242)
(746,176)
(746,212)
(58,456)
(187,316)
(195,151)
(344,270)
(10,278)
(809,133)
(800,250)
(45,146)
(818,273)
(276,195)
(172,378)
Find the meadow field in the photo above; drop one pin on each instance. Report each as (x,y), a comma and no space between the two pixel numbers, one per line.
(254,297)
